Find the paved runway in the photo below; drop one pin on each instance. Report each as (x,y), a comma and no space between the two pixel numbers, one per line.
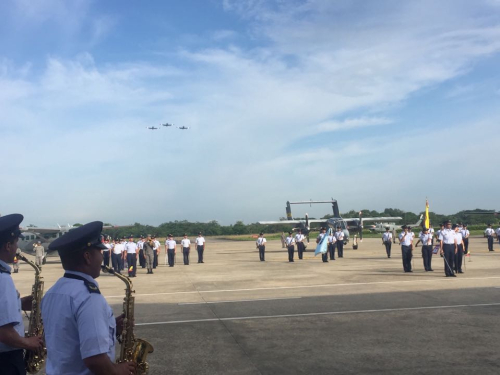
(356,315)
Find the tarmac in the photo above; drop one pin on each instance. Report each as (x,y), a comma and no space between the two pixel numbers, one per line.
(360,314)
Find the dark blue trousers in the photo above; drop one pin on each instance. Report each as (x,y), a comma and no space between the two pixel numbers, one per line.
(116,261)
(407,255)
(132,263)
(427,256)
(449,256)
(291,252)
(185,253)
(200,253)
(300,249)
(388,246)
(262,252)
(340,248)
(105,258)
(12,362)
(459,257)
(466,244)
(490,243)
(331,250)
(170,256)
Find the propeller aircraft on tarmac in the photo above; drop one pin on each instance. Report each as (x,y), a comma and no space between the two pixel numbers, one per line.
(382,227)
(355,224)
(33,235)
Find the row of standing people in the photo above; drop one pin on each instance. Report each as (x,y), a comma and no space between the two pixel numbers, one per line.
(147,250)
(453,244)
(335,241)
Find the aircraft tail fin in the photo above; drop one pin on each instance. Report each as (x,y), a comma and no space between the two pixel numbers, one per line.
(288,211)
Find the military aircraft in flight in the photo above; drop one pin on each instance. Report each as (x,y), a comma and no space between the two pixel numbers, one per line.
(167,124)
(355,224)
(182,128)
(382,227)
(152,128)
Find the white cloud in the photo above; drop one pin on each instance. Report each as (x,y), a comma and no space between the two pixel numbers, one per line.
(352,123)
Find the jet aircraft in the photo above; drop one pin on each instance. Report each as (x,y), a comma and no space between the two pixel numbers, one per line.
(355,224)
(182,128)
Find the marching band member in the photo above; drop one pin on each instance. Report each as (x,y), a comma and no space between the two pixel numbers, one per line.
(290,242)
(387,241)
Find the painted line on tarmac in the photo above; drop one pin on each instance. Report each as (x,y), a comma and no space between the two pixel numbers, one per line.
(316,286)
(232,301)
(318,314)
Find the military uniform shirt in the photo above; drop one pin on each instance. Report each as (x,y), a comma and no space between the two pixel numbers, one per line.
(407,239)
(299,237)
(261,241)
(170,244)
(459,237)
(156,245)
(465,233)
(447,236)
(320,236)
(39,251)
(498,232)
(200,241)
(339,235)
(118,248)
(131,247)
(332,239)
(78,324)
(489,231)
(425,238)
(387,237)
(289,241)
(438,233)
(10,302)
(140,244)
(185,242)
(108,246)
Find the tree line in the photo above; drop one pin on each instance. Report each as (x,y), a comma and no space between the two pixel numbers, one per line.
(212,228)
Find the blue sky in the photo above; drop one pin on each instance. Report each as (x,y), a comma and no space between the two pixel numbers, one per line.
(377,104)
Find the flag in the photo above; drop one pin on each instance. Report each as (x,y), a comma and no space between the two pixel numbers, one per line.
(323,244)
(427,221)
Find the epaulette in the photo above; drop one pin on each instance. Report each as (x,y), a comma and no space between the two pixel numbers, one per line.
(92,288)
(4,270)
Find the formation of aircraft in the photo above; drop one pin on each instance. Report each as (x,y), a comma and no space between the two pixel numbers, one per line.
(167,125)
(354,224)
(381,227)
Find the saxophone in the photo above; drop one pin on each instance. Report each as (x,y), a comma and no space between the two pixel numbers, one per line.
(132,349)
(34,360)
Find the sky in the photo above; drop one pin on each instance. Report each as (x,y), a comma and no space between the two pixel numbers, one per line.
(374,103)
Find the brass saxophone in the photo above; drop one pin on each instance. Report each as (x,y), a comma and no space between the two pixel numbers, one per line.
(34,360)
(132,349)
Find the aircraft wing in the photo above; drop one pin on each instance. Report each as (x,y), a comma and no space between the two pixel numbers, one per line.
(375,218)
(41,230)
(290,222)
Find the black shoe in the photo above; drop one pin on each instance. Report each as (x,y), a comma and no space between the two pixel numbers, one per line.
(460,271)
(431,270)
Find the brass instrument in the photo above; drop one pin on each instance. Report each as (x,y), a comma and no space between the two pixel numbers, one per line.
(34,360)
(132,349)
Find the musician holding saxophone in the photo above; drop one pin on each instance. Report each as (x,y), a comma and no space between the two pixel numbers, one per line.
(12,340)
(80,329)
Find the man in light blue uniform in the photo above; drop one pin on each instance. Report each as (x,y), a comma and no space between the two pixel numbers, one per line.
(12,340)
(80,328)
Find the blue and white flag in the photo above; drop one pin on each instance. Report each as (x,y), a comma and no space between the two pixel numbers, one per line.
(322,246)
